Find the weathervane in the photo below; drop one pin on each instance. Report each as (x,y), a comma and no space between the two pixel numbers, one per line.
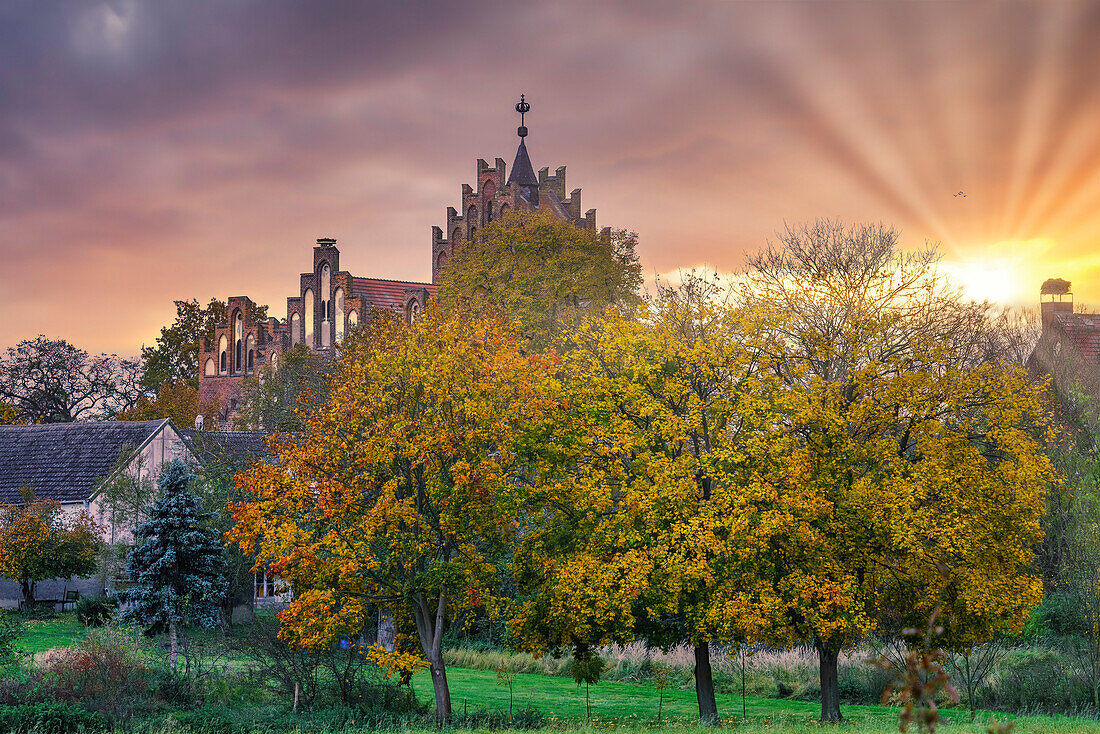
(522,108)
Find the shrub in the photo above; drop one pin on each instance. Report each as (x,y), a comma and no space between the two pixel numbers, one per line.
(11,629)
(51,718)
(105,673)
(96,611)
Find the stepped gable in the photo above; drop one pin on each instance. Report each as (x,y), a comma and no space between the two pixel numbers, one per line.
(496,193)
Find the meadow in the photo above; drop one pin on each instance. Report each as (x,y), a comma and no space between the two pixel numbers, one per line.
(480,700)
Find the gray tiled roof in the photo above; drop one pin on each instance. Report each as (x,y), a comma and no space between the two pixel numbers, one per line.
(62,461)
(232,448)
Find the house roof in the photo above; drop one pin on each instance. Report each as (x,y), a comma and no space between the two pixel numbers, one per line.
(231,449)
(63,461)
(387,293)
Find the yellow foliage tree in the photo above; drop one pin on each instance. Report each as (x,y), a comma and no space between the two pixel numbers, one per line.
(921,454)
(400,491)
(653,521)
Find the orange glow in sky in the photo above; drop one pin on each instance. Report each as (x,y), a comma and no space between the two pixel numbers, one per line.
(156,151)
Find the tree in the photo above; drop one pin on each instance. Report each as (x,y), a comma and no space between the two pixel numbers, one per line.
(651,523)
(175,358)
(38,542)
(543,271)
(272,401)
(922,454)
(217,464)
(401,489)
(176,571)
(52,381)
(125,494)
(178,401)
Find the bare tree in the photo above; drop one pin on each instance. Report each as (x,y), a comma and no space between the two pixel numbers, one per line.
(52,381)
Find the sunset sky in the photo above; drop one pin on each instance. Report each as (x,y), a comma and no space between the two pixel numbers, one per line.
(156,151)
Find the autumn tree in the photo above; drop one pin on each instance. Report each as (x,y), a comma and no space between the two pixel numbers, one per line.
(274,399)
(923,459)
(650,522)
(51,381)
(178,401)
(543,271)
(400,491)
(39,542)
(175,571)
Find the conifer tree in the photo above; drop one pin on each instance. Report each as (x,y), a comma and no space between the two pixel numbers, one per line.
(176,571)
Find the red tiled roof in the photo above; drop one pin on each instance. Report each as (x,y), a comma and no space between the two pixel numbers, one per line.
(382,293)
(1083,331)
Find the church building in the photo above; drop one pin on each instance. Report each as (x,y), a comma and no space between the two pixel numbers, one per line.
(329,301)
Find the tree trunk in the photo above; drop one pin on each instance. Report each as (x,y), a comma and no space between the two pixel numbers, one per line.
(28,593)
(704,686)
(173,646)
(429,628)
(827,655)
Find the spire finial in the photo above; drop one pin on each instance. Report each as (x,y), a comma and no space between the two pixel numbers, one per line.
(522,108)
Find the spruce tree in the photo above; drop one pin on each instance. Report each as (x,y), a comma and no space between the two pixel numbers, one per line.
(175,572)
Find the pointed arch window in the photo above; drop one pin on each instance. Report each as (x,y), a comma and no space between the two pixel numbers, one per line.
(326,291)
(353,319)
(210,369)
(412,310)
(471,220)
(308,297)
(295,328)
(338,313)
(223,354)
(238,341)
(250,350)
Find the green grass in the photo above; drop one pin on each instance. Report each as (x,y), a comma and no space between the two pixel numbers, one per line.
(632,703)
(632,706)
(43,635)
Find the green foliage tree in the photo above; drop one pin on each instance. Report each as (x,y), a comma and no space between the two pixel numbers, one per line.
(273,399)
(175,358)
(38,542)
(544,272)
(176,576)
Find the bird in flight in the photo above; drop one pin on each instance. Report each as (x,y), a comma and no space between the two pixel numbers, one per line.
(961,193)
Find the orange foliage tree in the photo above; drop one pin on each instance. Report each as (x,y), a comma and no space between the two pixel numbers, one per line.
(176,400)
(38,542)
(402,488)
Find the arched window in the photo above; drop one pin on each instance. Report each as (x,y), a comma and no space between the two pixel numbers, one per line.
(326,290)
(307,298)
(273,360)
(211,369)
(488,188)
(471,220)
(503,209)
(442,260)
(223,354)
(412,310)
(338,313)
(473,231)
(457,236)
(295,328)
(250,350)
(238,341)
(353,319)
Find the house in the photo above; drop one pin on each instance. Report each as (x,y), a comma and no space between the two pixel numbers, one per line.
(67,462)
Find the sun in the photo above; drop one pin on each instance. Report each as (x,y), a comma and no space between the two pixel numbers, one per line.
(1004,273)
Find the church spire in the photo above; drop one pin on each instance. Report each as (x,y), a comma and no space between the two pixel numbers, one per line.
(523,173)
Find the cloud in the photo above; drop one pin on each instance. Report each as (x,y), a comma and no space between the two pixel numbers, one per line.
(151,151)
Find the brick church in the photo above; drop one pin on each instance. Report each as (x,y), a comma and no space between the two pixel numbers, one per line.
(329,301)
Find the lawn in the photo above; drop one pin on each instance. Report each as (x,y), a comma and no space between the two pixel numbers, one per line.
(630,706)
